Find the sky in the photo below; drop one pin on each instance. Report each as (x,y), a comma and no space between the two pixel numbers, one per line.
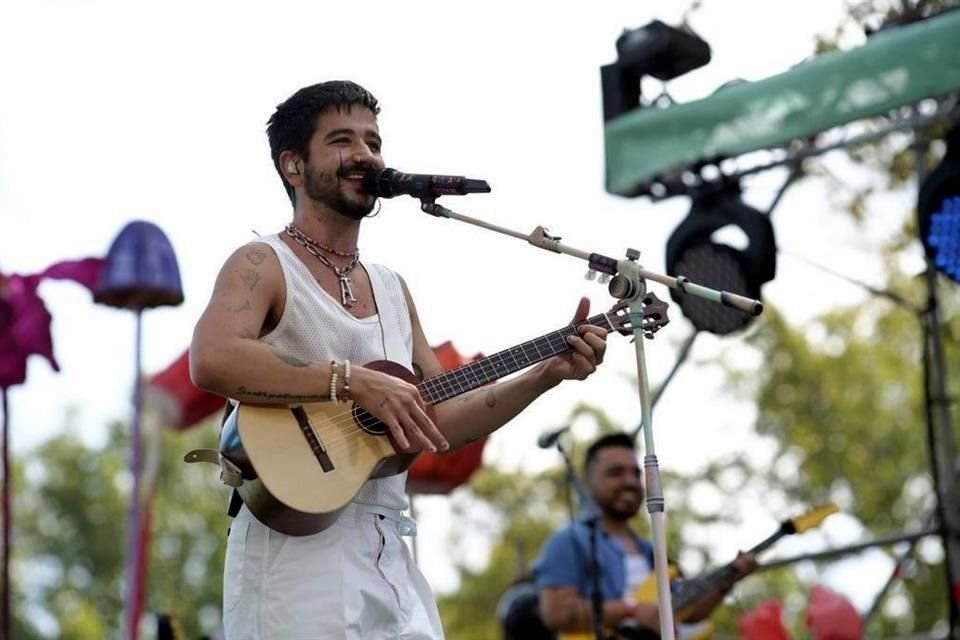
(121,111)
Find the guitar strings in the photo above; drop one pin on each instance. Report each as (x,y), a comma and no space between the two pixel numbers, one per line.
(368,419)
(555,340)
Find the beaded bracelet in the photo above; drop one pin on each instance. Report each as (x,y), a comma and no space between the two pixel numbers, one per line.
(346,381)
(333,381)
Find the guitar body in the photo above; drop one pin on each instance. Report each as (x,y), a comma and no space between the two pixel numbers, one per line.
(302,465)
(646,593)
(297,467)
(685,594)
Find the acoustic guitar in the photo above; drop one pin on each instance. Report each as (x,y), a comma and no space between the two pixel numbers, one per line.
(296,467)
(687,592)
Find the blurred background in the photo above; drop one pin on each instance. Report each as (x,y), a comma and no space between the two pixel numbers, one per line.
(823,119)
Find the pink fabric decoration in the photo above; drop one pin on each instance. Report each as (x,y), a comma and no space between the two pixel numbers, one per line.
(25,321)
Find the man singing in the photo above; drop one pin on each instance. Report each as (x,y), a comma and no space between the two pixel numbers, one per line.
(292,318)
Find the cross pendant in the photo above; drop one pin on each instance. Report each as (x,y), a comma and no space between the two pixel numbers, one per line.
(346,292)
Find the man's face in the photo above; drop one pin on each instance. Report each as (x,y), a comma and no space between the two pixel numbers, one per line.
(344,145)
(614,480)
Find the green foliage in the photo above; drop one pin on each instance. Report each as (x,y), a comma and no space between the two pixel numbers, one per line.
(841,398)
(844,400)
(71,536)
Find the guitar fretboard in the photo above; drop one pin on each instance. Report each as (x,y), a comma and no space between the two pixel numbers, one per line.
(692,590)
(476,374)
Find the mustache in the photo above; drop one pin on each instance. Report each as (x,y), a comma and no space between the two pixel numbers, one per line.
(354,168)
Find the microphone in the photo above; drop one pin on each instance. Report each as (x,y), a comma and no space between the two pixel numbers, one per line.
(387,183)
(547,440)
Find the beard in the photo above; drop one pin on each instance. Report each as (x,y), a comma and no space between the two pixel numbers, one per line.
(616,509)
(325,188)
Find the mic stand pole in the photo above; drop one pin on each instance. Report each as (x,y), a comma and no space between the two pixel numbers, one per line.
(628,284)
(592,520)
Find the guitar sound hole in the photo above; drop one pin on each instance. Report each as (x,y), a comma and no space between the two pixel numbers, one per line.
(368,422)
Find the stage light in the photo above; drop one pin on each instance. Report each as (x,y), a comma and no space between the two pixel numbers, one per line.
(655,49)
(693,252)
(938,210)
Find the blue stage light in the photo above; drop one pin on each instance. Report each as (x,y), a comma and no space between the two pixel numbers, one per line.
(938,210)
(944,237)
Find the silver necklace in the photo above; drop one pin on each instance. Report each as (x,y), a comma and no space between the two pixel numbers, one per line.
(343,273)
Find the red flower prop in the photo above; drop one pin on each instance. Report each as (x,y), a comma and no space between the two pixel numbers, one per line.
(182,404)
(764,623)
(25,321)
(830,616)
(442,473)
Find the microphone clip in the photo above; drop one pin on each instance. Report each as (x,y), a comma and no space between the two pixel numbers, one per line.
(428,204)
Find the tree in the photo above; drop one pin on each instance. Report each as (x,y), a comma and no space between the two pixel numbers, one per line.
(842,401)
(71,523)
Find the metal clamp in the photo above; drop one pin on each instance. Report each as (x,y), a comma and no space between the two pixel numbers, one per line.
(230,473)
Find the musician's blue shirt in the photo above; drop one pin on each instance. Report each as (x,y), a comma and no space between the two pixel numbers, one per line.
(565,561)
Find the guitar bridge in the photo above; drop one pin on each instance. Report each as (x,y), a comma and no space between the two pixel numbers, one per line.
(316,445)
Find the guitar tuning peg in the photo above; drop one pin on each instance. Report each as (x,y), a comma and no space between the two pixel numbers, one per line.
(590,274)
(604,278)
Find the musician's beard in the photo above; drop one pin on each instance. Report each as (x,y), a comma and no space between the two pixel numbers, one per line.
(618,510)
(621,514)
(328,189)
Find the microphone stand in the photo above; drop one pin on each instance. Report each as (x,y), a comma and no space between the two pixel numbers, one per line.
(628,283)
(591,518)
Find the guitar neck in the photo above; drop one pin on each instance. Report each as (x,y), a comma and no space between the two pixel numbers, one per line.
(476,374)
(693,590)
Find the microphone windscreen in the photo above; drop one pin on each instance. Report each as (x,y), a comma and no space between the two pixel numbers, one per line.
(376,182)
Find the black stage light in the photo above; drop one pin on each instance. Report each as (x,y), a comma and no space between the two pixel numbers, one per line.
(938,210)
(655,49)
(692,253)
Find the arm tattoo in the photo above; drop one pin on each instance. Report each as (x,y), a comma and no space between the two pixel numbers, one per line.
(256,257)
(489,399)
(250,278)
(243,392)
(293,361)
(240,307)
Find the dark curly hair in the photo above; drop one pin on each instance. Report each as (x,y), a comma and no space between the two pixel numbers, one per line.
(293,123)
(618,439)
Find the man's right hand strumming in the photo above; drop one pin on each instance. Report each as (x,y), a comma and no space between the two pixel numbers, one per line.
(398,405)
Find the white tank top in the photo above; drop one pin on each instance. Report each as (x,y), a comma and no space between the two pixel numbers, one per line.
(315,326)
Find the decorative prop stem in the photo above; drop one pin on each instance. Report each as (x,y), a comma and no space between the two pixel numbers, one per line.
(6,623)
(135,561)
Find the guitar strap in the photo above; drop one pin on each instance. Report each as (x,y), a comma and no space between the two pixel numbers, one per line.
(583,550)
(233,508)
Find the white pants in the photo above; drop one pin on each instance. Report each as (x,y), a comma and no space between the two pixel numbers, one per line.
(356,580)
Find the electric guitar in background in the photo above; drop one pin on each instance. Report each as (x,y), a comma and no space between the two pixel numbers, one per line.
(687,592)
(297,467)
